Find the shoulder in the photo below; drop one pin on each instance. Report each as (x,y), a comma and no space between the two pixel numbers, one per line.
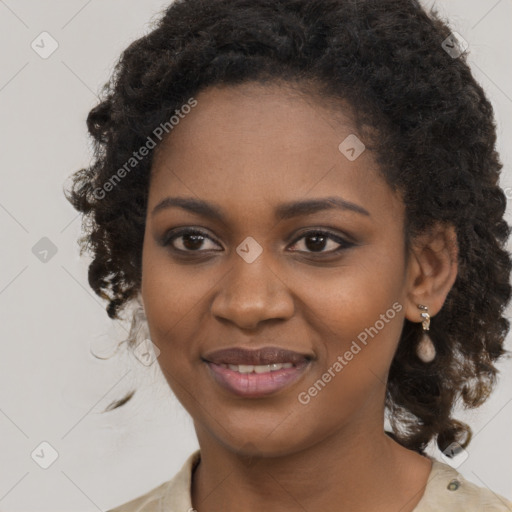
(150,501)
(169,496)
(448,490)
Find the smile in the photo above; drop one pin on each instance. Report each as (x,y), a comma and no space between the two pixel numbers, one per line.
(260,368)
(254,373)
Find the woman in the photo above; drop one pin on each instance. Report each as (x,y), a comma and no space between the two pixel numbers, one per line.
(302,196)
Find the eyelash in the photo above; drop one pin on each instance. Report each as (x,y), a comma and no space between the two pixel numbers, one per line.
(171,237)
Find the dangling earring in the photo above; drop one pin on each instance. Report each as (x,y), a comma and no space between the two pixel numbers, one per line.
(425,350)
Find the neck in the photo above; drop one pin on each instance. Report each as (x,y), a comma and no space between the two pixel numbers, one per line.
(353,469)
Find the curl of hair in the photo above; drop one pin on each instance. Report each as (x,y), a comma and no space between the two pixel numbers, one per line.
(426,118)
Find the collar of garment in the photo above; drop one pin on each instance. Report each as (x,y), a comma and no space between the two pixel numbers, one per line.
(446,490)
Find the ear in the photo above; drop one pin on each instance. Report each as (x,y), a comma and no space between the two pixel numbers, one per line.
(431,270)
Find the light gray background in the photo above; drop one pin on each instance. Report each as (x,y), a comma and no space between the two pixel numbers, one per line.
(51,388)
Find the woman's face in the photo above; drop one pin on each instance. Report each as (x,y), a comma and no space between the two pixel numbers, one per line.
(259,274)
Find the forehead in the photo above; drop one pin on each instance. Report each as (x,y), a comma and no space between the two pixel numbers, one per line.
(272,117)
(247,143)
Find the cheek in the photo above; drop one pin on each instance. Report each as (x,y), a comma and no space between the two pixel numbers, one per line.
(356,313)
(171,291)
(353,296)
(172,297)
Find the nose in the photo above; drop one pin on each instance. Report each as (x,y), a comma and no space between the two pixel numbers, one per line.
(251,293)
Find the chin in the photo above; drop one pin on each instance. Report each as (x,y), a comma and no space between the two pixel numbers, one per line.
(250,440)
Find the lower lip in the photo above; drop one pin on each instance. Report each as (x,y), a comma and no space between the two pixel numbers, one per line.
(254,385)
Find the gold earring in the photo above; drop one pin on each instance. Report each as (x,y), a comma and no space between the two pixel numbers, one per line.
(425,350)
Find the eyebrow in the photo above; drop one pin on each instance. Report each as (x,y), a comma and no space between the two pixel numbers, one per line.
(283,211)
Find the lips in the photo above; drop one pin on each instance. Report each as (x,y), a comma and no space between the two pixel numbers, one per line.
(256,373)
(262,356)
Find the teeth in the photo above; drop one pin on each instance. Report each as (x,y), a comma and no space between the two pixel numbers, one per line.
(260,368)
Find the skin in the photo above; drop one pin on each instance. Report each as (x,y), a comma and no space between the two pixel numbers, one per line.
(249,148)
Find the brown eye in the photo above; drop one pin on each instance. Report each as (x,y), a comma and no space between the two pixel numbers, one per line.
(316,241)
(188,240)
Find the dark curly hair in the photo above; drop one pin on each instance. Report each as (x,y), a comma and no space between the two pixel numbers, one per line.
(428,121)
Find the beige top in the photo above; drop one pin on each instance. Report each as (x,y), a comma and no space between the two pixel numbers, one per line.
(446,490)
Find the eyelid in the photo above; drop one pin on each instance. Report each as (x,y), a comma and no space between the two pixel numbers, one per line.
(175,233)
(344,241)
(332,233)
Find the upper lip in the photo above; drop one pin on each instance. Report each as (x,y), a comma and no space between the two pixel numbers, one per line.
(261,356)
